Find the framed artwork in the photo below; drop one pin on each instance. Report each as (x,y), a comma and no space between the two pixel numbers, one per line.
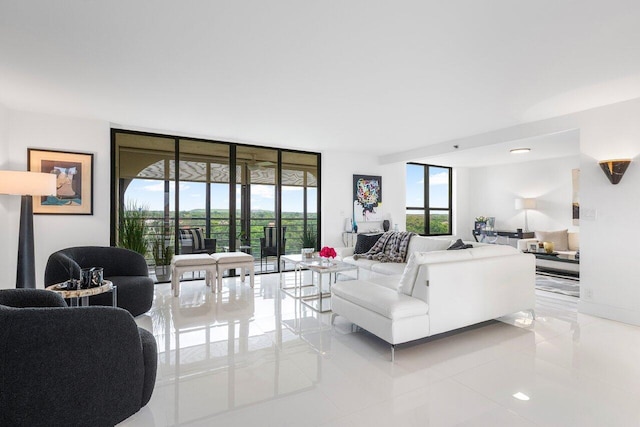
(367,198)
(532,247)
(74,181)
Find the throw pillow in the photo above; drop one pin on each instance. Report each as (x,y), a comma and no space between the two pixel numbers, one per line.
(559,238)
(365,242)
(459,244)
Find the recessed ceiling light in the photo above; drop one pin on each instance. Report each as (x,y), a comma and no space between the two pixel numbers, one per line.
(521,396)
(519,150)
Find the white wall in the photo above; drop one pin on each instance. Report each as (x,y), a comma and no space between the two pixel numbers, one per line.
(491,191)
(53,232)
(610,278)
(338,169)
(609,273)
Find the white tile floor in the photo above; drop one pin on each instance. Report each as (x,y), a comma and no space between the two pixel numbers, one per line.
(258,358)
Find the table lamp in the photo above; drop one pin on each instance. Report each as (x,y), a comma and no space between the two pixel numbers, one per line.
(526,204)
(26,184)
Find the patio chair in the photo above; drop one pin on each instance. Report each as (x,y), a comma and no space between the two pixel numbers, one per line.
(192,241)
(268,243)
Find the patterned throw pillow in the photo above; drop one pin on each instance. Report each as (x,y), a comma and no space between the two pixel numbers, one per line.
(195,235)
(365,242)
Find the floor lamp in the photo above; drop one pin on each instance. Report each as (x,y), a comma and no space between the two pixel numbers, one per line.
(26,184)
(526,204)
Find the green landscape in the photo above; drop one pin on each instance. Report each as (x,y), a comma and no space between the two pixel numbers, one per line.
(438,223)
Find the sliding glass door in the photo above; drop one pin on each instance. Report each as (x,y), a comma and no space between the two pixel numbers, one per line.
(254,199)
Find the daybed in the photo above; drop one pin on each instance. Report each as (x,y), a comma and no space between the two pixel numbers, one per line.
(439,291)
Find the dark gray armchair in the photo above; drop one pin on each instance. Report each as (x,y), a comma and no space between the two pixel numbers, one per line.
(126,269)
(84,366)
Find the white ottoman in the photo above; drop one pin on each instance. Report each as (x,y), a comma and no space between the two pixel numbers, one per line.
(231,260)
(192,262)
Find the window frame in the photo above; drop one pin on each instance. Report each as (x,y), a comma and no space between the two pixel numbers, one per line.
(426,210)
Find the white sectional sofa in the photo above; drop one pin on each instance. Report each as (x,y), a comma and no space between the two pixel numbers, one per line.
(376,269)
(438,291)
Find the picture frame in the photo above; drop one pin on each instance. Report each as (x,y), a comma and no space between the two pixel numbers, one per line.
(479,226)
(532,247)
(367,198)
(74,173)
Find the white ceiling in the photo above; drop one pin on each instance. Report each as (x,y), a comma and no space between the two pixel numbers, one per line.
(562,144)
(381,76)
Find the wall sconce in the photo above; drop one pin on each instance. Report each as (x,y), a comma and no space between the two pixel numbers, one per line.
(614,169)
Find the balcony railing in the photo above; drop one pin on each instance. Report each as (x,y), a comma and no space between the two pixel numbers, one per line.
(159,228)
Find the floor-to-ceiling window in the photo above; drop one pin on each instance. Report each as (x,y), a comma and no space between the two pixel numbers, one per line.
(428,199)
(244,197)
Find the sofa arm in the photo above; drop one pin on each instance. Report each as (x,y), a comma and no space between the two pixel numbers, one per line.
(523,243)
(22,298)
(342,253)
(150,357)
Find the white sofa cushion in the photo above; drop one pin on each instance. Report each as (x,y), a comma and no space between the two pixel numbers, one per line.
(486,251)
(417,259)
(574,240)
(559,238)
(379,299)
(427,244)
(361,262)
(389,268)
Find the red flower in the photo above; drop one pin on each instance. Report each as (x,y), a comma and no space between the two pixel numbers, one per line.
(328,252)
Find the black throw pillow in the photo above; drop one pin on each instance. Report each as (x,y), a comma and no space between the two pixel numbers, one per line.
(459,244)
(365,242)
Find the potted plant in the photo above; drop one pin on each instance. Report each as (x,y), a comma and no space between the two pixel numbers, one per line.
(132,230)
(309,241)
(162,255)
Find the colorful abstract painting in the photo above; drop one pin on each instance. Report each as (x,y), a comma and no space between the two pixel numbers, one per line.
(367,198)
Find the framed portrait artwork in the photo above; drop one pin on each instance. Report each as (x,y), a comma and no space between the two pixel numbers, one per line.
(74,181)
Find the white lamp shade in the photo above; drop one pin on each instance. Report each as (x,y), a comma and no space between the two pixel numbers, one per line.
(27,183)
(525,203)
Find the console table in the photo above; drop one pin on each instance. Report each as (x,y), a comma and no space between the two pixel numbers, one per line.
(501,233)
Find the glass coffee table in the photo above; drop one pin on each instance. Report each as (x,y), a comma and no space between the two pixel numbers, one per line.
(295,259)
(320,300)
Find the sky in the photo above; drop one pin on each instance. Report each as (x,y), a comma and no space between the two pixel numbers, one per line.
(150,193)
(192,194)
(438,186)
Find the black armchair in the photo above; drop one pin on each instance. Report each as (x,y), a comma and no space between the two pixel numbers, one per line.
(268,243)
(125,268)
(192,241)
(71,366)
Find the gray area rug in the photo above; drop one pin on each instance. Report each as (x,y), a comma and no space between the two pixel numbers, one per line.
(558,284)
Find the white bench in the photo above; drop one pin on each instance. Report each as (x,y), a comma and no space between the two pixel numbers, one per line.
(230,260)
(181,264)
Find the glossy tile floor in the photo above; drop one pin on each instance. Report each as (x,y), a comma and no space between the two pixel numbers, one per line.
(256,357)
